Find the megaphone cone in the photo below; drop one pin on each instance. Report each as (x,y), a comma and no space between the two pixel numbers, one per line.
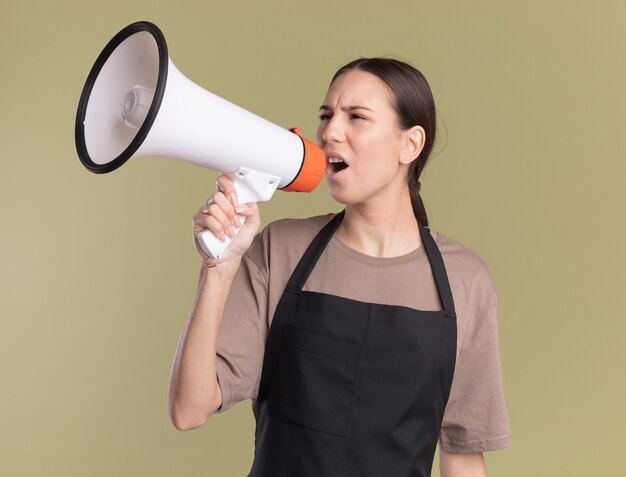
(135,102)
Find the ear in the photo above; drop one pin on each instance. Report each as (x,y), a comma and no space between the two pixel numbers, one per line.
(413,141)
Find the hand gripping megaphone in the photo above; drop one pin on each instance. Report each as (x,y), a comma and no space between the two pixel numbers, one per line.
(135,103)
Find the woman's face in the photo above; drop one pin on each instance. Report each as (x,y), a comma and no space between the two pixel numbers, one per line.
(359,126)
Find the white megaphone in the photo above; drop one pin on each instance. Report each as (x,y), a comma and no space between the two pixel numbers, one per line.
(136,103)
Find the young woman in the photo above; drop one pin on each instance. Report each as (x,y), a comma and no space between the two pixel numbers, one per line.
(363,338)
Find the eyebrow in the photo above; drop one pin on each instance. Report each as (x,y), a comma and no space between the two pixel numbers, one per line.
(347,108)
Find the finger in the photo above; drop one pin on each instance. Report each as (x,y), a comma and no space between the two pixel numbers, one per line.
(202,222)
(227,187)
(226,206)
(205,208)
(216,210)
(245,208)
(216,228)
(228,217)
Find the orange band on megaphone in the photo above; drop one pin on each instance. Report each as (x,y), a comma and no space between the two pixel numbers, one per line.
(312,169)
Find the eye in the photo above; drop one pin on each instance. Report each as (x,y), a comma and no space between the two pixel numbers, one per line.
(357,116)
(325,117)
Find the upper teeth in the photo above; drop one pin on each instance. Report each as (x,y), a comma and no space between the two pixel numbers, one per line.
(334,160)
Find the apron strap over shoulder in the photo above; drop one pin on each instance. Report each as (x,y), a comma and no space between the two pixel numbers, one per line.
(439,271)
(313,253)
(319,243)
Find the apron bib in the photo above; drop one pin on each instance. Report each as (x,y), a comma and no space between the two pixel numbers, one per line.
(349,388)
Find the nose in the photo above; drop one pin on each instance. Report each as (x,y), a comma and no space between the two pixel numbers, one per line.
(332,130)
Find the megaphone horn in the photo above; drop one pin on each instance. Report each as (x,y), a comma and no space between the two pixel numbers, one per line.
(135,102)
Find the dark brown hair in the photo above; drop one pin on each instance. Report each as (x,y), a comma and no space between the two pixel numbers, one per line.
(414,105)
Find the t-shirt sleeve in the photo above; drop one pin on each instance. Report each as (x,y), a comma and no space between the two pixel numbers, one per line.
(476,419)
(243,330)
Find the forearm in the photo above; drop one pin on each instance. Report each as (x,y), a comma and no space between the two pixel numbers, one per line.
(193,379)
(461,465)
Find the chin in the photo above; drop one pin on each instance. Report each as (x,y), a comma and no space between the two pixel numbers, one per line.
(337,196)
(346,195)
(343,198)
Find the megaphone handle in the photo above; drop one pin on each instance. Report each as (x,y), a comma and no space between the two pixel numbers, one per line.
(251,186)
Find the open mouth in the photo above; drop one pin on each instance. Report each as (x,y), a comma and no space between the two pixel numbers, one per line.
(338,166)
(335,163)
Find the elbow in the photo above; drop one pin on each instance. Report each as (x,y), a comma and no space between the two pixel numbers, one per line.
(189,415)
(186,421)
(187,424)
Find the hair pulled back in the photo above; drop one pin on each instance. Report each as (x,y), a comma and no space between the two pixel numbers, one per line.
(414,105)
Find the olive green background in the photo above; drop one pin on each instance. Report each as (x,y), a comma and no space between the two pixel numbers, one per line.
(97,272)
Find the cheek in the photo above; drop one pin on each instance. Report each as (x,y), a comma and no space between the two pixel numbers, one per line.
(378,169)
(380,151)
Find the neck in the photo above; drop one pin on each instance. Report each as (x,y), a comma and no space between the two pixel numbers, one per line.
(383,229)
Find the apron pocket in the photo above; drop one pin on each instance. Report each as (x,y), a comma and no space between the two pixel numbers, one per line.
(314,381)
